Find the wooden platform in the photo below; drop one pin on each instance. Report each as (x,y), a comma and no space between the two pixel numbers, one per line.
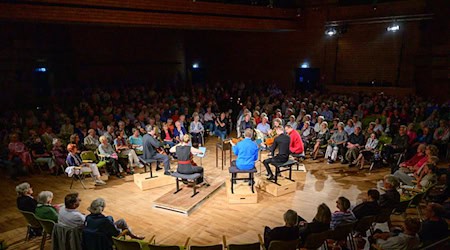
(160,181)
(286,186)
(242,193)
(182,202)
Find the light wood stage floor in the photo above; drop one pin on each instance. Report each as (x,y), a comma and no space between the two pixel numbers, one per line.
(206,224)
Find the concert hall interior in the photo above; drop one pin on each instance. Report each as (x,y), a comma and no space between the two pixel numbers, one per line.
(224,124)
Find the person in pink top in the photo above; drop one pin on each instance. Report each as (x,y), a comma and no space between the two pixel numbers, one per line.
(18,149)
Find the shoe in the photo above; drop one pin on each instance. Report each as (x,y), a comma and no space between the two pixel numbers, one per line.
(140,165)
(330,161)
(271,178)
(119,176)
(99,183)
(314,158)
(344,162)
(158,168)
(137,237)
(167,173)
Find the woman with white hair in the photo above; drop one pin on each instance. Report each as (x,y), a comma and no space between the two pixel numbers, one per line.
(25,202)
(98,222)
(320,119)
(292,122)
(44,209)
(336,144)
(111,156)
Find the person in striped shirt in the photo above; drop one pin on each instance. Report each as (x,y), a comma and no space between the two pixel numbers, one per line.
(344,215)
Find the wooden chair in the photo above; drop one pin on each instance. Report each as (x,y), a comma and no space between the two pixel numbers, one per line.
(47,225)
(33,223)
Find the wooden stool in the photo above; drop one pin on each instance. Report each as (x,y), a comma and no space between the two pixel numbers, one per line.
(282,167)
(223,148)
(234,171)
(192,178)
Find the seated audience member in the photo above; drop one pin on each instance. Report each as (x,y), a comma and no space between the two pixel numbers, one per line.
(405,240)
(335,125)
(150,144)
(369,130)
(256,117)
(67,129)
(428,178)
(398,145)
(350,127)
(167,136)
(106,225)
(123,148)
(45,209)
(281,142)
(288,232)
(69,215)
(183,152)
(109,134)
(322,139)
(209,119)
(179,132)
(264,127)
(354,143)
(368,151)
(111,156)
(91,141)
(196,129)
(441,136)
(296,143)
(408,178)
(413,166)
(410,165)
(246,123)
(378,127)
(307,133)
(411,133)
(320,223)
(75,139)
(336,144)
(292,122)
(391,198)
(74,160)
(369,206)
(221,126)
(318,124)
(136,140)
(59,152)
(434,227)
(246,152)
(41,155)
(25,201)
(344,215)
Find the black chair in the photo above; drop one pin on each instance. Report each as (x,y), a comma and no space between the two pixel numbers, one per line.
(315,240)
(234,171)
(283,167)
(148,163)
(190,178)
(211,247)
(343,232)
(94,240)
(364,224)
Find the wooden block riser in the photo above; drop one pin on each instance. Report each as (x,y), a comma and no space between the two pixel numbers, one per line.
(242,194)
(145,184)
(285,187)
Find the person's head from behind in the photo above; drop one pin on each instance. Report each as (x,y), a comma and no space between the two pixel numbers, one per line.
(434,210)
(373,195)
(45,197)
(412,226)
(390,182)
(343,204)
(248,133)
(323,214)
(290,218)
(24,189)
(421,148)
(72,201)
(150,129)
(186,138)
(97,206)
(431,150)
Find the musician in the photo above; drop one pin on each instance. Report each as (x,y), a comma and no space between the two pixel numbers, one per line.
(281,142)
(150,144)
(183,152)
(246,152)
(296,144)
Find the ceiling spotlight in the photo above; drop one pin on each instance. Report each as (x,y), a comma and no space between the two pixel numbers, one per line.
(393,27)
(305,65)
(195,66)
(330,32)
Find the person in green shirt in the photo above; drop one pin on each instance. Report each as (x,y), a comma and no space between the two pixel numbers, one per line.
(45,209)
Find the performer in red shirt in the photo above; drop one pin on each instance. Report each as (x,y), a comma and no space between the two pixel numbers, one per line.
(296,145)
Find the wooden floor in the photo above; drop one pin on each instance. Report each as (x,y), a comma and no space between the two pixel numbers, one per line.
(205,225)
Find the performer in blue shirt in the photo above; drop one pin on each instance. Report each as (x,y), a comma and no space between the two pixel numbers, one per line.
(246,152)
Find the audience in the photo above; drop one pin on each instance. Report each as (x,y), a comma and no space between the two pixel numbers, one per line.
(434,227)
(344,215)
(403,240)
(74,160)
(69,215)
(288,232)
(320,223)
(369,206)
(25,202)
(391,198)
(45,209)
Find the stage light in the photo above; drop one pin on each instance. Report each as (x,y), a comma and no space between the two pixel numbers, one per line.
(305,65)
(195,66)
(330,31)
(40,70)
(393,27)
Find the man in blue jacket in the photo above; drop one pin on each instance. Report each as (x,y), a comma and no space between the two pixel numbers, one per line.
(246,152)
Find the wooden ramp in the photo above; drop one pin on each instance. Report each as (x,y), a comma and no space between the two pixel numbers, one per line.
(182,202)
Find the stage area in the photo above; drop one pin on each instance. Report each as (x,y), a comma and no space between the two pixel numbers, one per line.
(322,183)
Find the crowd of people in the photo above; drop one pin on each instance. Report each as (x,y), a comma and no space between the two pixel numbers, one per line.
(408,134)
